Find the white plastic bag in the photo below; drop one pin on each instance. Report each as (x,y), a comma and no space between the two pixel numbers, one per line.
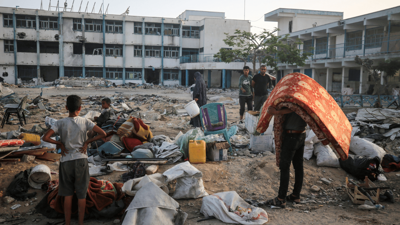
(363,147)
(91,114)
(189,182)
(325,156)
(230,208)
(311,139)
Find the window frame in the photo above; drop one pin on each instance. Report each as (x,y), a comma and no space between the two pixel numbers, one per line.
(115,72)
(73,71)
(321,46)
(8,44)
(9,19)
(191,31)
(354,40)
(77,24)
(93,25)
(137,51)
(171,52)
(136,74)
(155,28)
(374,37)
(29,21)
(114,26)
(47,20)
(171,75)
(136,26)
(95,71)
(114,51)
(174,28)
(152,51)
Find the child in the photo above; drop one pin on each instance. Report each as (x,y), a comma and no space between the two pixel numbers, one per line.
(73,170)
(105,114)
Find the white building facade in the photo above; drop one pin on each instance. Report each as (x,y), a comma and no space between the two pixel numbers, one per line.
(122,48)
(334,42)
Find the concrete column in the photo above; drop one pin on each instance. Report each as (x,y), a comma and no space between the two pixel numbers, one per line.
(388,38)
(209,79)
(343,71)
(382,74)
(313,73)
(37,46)
(363,40)
(344,45)
(162,51)
(327,80)
(223,78)
(180,77)
(187,78)
(361,78)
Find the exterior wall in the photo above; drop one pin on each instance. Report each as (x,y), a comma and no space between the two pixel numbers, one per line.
(301,21)
(11,73)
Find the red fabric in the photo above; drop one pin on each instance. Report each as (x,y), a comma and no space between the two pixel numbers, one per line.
(12,142)
(130,143)
(315,105)
(100,194)
(392,167)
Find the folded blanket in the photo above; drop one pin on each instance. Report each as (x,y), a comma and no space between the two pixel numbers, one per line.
(135,128)
(314,105)
(101,193)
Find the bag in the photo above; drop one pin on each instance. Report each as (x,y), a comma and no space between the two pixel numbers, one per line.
(365,148)
(360,166)
(137,170)
(130,143)
(325,156)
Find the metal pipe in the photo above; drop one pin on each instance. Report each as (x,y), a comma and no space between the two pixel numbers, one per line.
(209,79)
(143,51)
(223,79)
(162,51)
(123,50)
(37,46)
(388,40)
(365,37)
(187,78)
(61,44)
(104,46)
(83,46)
(15,48)
(344,43)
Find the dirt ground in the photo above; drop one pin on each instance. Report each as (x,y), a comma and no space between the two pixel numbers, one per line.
(255,177)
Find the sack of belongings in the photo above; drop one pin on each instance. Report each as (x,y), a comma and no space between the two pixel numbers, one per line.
(360,166)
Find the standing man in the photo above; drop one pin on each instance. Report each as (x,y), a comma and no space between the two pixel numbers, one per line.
(292,151)
(260,83)
(245,91)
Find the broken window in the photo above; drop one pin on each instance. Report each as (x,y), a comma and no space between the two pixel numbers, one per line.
(114,27)
(93,25)
(171,52)
(153,28)
(201,50)
(48,23)
(171,29)
(137,51)
(171,74)
(290,26)
(26,21)
(137,27)
(49,47)
(77,48)
(152,51)
(77,24)
(374,37)
(321,46)
(354,40)
(114,50)
(94,72)
(113,73)
(26,46)
(73,71)
(8,46)
(93,49)
(190,32)
(7,20)
(27,72)
(133,74)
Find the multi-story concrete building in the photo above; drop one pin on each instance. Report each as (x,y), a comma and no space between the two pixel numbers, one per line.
(52,44)
(334,42)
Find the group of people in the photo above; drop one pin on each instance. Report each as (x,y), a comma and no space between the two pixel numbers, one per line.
(74,140)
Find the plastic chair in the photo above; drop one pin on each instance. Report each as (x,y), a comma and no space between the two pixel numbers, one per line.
(17,109)
(214,120)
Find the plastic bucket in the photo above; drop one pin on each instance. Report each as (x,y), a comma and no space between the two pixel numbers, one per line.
(40,174)
(193,109)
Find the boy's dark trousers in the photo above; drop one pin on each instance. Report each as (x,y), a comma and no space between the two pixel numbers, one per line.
(243,100)
(292,150)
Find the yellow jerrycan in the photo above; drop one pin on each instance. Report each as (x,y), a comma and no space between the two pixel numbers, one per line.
(197,151)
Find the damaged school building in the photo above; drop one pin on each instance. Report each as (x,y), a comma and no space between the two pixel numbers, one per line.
(334,42)
(50,45)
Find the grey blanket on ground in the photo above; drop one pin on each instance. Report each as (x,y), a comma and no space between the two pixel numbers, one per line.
(168,151)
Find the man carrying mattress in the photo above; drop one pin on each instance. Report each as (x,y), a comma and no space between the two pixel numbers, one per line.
(292,150)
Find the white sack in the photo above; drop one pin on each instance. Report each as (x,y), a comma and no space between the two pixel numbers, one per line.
(189,182)
(132,186)
(362,147)
(226,206)
(325,156)
(311,139)
(262,143)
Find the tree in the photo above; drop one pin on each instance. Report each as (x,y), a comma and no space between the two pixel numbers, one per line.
(266,48)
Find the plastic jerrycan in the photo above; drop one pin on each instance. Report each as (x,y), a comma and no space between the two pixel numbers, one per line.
(197,151)
(31,138)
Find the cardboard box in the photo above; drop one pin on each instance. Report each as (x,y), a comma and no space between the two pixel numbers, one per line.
(217,151)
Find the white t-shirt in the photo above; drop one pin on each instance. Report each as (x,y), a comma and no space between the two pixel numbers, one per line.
(73,134)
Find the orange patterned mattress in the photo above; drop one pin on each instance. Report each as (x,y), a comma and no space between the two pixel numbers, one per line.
(315,105)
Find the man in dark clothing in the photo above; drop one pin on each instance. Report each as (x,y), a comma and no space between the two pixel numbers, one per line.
(199,95)
(245,91)
(292,150)
(260,83)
